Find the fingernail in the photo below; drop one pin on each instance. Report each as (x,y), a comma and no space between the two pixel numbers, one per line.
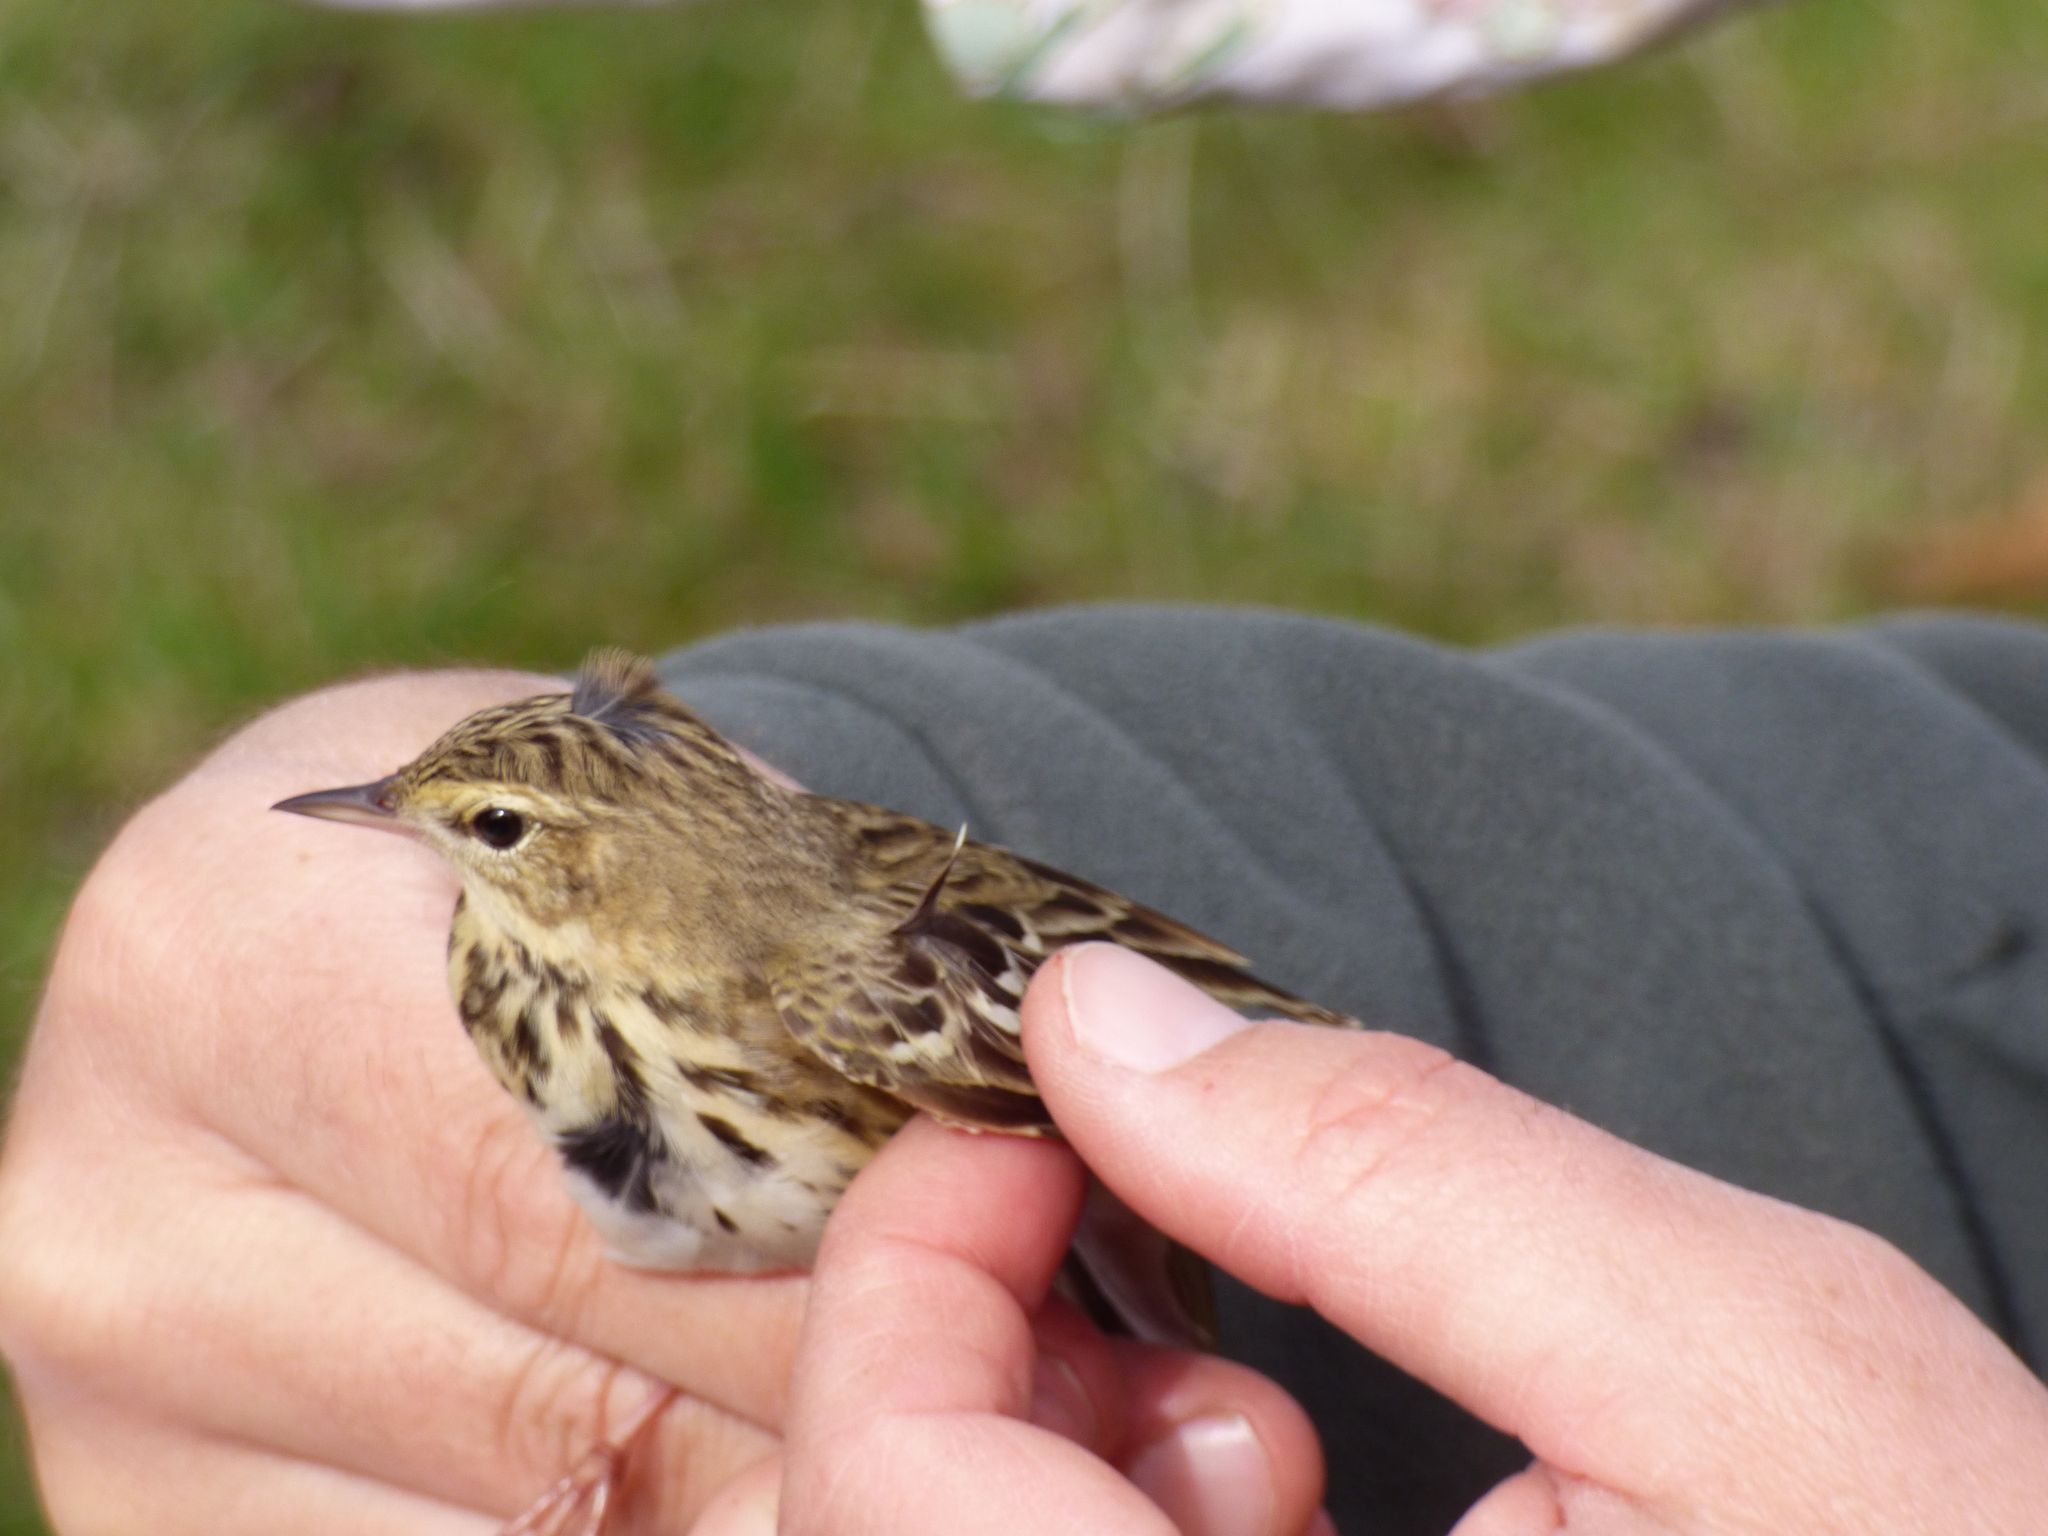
(1139,1015)
(1059,1402)
(1210,1477)
(1322,1525)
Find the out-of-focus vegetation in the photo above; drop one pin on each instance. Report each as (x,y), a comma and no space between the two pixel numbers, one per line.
(330,342)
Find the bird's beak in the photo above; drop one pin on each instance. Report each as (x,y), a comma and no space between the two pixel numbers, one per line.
(367,805)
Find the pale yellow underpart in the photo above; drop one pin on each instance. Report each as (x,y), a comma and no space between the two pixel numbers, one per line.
(777,1209)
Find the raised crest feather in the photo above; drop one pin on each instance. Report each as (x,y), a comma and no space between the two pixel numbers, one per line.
(611,687)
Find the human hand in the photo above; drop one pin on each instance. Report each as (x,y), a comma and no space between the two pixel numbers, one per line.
(280,1255)
(1679,1355)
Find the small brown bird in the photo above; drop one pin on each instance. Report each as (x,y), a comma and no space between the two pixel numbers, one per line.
(717,996)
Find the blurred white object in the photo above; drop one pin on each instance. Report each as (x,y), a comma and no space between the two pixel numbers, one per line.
(1347,54)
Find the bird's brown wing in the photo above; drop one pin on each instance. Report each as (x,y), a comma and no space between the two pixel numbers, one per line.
(921,1002)
(924,1004)
(920,999)
(1075,911)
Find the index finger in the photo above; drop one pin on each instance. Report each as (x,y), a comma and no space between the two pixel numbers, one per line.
(1560,1283)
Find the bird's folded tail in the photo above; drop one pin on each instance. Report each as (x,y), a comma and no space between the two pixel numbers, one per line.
(1133,1279)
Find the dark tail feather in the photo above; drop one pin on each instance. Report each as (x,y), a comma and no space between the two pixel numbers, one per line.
(1133,1279)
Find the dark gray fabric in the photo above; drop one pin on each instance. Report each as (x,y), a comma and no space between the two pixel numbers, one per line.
(1771,904)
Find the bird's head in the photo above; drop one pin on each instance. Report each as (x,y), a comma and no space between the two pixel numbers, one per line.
(604,804)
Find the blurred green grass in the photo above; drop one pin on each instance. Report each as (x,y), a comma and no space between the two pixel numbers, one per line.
(332,342)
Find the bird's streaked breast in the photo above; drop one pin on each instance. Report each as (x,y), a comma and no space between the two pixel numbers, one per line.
(696,1134)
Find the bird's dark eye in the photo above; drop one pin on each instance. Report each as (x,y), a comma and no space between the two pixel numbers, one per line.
(498,827)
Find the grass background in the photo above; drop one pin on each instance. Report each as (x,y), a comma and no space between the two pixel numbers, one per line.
(331,342)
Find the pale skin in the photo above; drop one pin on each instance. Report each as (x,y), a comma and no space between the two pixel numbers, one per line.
(281,1257)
